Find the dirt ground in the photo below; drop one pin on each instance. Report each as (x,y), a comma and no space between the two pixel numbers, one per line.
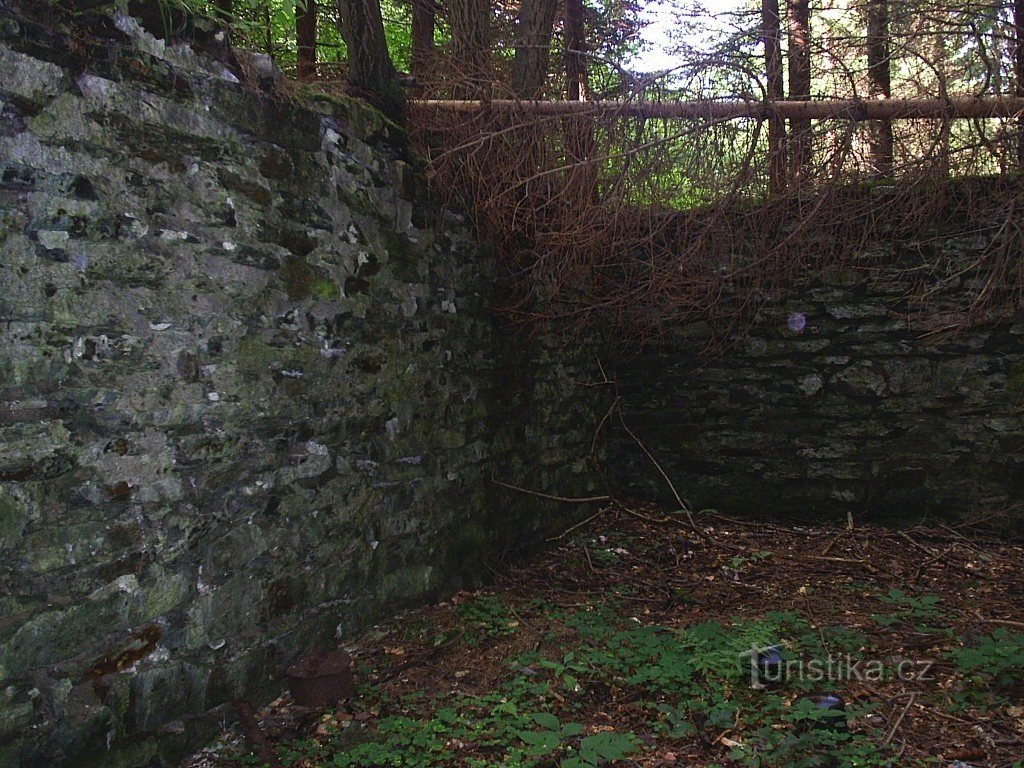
(913,595)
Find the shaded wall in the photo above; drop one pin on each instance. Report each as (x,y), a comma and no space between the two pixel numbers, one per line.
(251,396)
(841,398)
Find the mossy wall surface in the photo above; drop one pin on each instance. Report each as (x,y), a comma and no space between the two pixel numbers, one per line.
(251,395)
(847,396)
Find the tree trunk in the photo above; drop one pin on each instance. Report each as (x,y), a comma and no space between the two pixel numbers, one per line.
(369,66)
(268,33)
(225,14)
(799,54)
(771,35)
(470,22)
(939,61)
(305,33)
(533,47)
(578,134)
(225,10)
(1018,72)
(880,84)
(575,51)
(424,15)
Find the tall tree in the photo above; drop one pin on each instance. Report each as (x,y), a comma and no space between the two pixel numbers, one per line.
(533,46)
(575,51)
(771,36)
(470,22)
(269,37)
(225,10)
(940,22)
(798,17)
(305,34)
(880,83)
(578,132)
(424,18)
(1018,73)
(369,65)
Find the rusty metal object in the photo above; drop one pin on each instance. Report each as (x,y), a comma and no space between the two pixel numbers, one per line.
(321,679)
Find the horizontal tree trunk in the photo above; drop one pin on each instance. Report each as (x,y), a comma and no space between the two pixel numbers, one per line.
(824,109)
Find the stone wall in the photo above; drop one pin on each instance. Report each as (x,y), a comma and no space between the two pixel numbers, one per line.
(840,398)
(251,396)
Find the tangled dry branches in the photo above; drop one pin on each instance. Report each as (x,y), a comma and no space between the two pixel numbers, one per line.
(640,223)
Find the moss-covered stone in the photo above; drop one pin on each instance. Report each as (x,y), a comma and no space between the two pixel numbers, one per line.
(250,400)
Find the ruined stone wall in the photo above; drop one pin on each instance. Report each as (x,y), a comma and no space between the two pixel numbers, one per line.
(846,396)
(251,396)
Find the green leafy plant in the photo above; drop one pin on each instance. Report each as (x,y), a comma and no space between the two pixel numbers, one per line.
(993,665)
(924,607)
(565,671)
(551,737)
(739,562)
(486,616)
(845,639)
(587,752)
(600,748)
(691,682)
(906,609)
(604,556)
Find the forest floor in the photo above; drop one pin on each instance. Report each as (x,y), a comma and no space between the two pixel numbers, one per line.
(635,640)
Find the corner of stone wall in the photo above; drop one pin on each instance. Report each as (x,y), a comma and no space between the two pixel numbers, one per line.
(251,396)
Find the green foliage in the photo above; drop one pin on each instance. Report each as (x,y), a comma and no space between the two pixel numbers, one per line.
(586,752)
(689,682)
(601,748)
(739,563)
(604,556)
(269,26)
(704,668)
(924,607)
(493,721)
(994,666)
(650,658)
(546,741)
(485,616)
(801,746)
(845,639)
(906,609)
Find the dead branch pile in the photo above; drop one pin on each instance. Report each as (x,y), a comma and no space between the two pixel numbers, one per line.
(640,224)
(636,220)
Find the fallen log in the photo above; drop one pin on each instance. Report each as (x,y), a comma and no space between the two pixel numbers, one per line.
(708,109)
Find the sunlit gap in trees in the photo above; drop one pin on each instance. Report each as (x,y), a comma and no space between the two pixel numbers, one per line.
(672,27)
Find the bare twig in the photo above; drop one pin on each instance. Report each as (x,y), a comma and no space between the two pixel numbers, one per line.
(1000,622)
(682,506)
(576,527)
(895,726)
(552,497)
